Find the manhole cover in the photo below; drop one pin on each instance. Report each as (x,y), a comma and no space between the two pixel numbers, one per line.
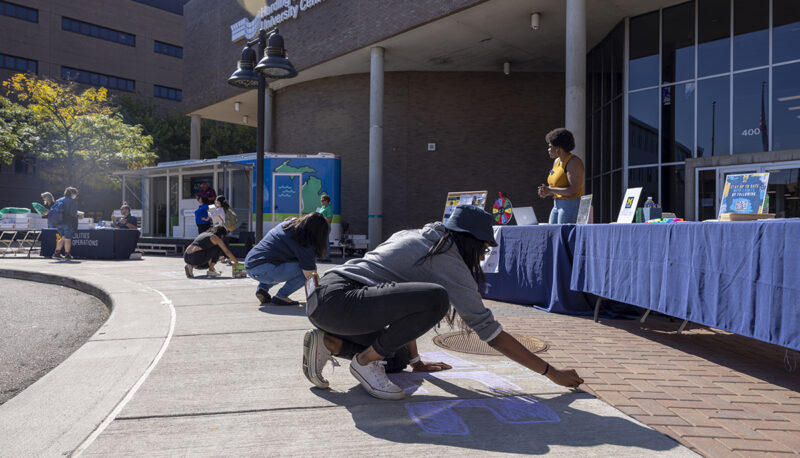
(470,343)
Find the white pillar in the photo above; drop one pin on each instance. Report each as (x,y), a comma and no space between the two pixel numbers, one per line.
(375,232)
(194,139)
(268,112)
(575,77)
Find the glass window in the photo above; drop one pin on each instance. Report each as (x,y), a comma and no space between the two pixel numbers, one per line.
(713,116)
(605,199)
(750,92)
(643,65)
(706,194)
(677,122)
(786,107)
(713,37)
(673,193)
(786,30)
(596,128)
(616,134)
(605,154)
(608,61)
(784,193)
(643,127)
(587,164)
(750,33)
(597,78)
(618,47)
(616,193)
(677,45)
(646,178)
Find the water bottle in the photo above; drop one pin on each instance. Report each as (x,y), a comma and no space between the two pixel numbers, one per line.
(649,203)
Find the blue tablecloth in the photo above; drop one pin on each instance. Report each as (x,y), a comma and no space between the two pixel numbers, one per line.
(95,243)
(535,268)
(742,277)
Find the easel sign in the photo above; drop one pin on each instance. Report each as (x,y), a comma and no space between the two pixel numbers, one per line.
(585,210)
(629,203)
(744,193)
(454,199)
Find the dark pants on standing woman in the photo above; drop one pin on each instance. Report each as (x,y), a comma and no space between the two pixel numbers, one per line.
(386,316)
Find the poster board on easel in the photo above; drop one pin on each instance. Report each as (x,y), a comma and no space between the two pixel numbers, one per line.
(745,193)
(455,199)
(629,203)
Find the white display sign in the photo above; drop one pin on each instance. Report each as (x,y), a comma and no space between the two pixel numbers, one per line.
(269,17)
(491,262)
(629,203)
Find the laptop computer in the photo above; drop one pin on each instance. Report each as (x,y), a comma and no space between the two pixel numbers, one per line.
(525,216)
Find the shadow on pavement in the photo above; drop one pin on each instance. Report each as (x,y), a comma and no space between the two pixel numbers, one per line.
(283,310)
(514,423)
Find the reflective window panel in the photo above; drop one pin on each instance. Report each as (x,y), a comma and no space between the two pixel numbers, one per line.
(713,37)
(616,194)
(618,42)
(673,190)
(616,134)
(750,33)
(677,43)
(606,152)
(786,106)
(605,197)
(596,128)
(643,127)
(647,178)
(587,164)
(608,62)
(677,122)
(750,105)
(786,30)
(643,66)
(784,193)
(706,194)
(713,116)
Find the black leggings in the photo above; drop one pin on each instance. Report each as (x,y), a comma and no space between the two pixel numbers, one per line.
(386,316)
(203,257)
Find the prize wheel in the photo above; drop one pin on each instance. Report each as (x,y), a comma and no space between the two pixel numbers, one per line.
(501,210)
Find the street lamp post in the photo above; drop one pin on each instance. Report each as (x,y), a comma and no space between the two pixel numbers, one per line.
(248,75)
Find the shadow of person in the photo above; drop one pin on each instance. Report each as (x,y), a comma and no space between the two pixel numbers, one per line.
(283,310)
(513,422)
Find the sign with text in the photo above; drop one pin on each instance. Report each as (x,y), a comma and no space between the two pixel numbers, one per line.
(454,199)
(629,202)
(744,193)
(269,16)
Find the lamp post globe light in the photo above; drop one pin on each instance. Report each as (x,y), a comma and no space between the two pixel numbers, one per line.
(248,75)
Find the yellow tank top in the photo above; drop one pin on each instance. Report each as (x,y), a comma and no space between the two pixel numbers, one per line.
(558,178)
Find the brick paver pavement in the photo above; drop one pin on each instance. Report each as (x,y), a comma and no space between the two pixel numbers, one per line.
(715,392)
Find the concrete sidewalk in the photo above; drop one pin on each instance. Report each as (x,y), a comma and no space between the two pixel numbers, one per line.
(197,367)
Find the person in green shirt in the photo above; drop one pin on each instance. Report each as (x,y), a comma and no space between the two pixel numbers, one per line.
(326,211)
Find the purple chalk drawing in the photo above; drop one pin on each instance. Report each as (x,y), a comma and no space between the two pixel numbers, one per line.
(439,417)
(410,381)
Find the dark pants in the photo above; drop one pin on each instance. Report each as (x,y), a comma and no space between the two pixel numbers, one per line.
(386,316)
(203,227)
(201,258)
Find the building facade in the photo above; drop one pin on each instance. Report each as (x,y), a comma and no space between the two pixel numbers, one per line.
(127,46)
(672,96)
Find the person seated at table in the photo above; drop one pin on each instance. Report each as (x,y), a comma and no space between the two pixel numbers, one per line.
(288,254)
(206,249)
(370,308)
(207,192)
(127,221)
(201,217)
(565,180)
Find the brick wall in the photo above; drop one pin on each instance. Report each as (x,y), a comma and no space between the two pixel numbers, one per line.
(491,139)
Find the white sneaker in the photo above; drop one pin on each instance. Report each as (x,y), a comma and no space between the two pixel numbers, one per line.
(315,356)
(213,273)
(373,378)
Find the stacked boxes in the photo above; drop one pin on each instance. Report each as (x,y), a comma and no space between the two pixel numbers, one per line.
(33,221)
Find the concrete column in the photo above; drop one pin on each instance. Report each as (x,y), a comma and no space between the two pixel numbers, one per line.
(575,77)
(269,144)
(375,232)
(194,139)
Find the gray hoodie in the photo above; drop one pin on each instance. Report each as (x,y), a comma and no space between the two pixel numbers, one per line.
(395,261)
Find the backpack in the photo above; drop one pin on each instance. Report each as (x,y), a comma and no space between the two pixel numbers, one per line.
(56,213)
(231,220)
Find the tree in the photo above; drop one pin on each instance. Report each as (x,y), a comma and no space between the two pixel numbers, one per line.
(16,135)
(170,131)
(80,135)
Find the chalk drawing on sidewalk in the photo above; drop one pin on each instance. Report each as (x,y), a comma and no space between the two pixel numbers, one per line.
(410,381)
(439,417)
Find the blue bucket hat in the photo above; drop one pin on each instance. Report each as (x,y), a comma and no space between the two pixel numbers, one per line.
(474,220)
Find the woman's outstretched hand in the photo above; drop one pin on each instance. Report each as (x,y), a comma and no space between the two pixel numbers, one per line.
(421,366)
(566,377)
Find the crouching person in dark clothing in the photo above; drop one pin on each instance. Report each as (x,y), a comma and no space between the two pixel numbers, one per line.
(206,249)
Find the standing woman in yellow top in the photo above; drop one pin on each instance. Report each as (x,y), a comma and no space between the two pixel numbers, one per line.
(565,181)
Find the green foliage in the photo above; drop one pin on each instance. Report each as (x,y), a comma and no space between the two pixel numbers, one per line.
(79,135)
(16,134)
(171,131)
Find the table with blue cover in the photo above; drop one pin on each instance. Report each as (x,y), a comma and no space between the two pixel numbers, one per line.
(95,243)
(741,277)
(535,269)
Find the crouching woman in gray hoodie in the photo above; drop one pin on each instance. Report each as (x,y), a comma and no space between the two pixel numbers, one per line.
(371,310)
